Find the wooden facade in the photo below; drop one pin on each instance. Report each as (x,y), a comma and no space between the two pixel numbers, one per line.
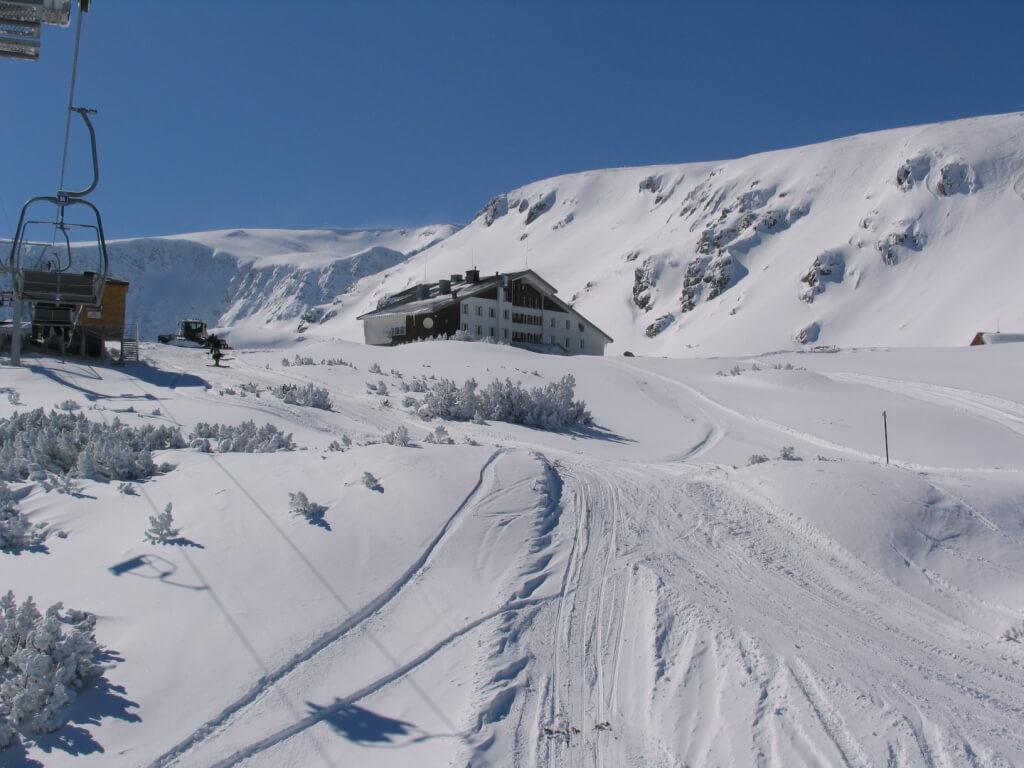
(112,307)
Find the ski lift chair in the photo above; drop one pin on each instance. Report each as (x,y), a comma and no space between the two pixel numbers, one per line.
(55,282)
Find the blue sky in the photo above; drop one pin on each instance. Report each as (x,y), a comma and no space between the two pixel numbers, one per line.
(304,114)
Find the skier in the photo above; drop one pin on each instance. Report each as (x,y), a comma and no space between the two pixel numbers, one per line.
(215,350)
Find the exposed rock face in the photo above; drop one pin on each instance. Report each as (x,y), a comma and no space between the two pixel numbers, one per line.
(496,208)
(539,208)
(907,237)
(692,283)
(808,334)
(956,179)
(827,267)
(643,282)
(659,325)
(718,275)
(912,171)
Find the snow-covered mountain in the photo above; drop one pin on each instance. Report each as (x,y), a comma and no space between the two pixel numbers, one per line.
(258,281)
(904,237)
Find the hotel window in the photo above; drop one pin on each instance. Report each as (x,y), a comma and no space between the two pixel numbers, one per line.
(567,325)
(566,342)
(480,332)
(505,314)
(465,309)
(465,326)
(491,310)
(552,322)
(506,332)
(581,343)
(581,327)
(480,311)
(492,330)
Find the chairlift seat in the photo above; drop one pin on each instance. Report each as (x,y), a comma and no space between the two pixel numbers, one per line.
(20,23)
(63,315)
(61,287)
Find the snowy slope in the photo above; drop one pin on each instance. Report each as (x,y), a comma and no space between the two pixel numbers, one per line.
(905,237)
(631,595)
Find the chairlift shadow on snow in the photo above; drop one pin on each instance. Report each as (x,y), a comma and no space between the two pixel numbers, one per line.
(360,725)
(64,378)
(597,432)
(150,566)
(164,379)
(99,700)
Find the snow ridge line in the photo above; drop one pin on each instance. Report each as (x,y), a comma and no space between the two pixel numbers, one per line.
(322,714)
(355,619)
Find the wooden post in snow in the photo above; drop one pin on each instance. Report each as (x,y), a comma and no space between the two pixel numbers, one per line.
(885,430)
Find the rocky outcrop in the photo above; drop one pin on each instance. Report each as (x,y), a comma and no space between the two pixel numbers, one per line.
(659,325)
(495,208)
(829,266)
(540,207)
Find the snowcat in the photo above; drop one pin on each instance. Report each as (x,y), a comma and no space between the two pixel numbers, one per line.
(191,333)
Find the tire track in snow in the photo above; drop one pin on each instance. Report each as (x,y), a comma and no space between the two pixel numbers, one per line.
(354,620)
(377,685)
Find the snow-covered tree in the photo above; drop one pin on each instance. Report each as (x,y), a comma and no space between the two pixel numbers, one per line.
(372,482)
(308,395)
(161,527)
(439,436)
(301,506)
(44,660)
(16,532)
(243,438)
(398,436)
(788,453)
(757,458)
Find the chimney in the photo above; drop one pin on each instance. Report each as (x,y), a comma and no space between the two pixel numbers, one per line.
(456,278)
(444,287)
(422,292)
(472,275)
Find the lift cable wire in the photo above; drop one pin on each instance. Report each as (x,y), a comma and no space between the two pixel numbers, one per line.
(67,118)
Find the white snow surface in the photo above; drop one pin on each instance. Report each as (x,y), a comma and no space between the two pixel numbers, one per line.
(628,595)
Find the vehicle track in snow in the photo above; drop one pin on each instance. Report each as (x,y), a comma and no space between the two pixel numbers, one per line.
(770,644)
(335,634)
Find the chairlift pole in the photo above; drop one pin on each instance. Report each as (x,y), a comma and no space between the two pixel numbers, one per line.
(885,430)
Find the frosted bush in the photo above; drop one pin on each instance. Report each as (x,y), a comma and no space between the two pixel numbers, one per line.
(308,395)
(251,388)
(35,443)
(549,407)
(69,405)
(380,388)
(16,532)
(126,489)
(398,436)
(439,436)
(1015,634)
(243,438)
(346,441)
(299,360)
(301,506)
(44,660)
(334,445)
(161,527)
(409,402)
(788,453)
(336,361)
(372,482)
(286,362)
(375,368)
(757,458)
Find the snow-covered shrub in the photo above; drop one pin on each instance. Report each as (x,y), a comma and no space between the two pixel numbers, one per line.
(788,453)
(336,361)
(372,482)
(380,388)
(244,438)
(16,532)
(308,395)
(549,407)
(12,395)
(286,362)
(446,400)
(301,506)
(757,458)
(469,440)
(69,444)
(250,387)
(375,368)
(1015,634)
(346,440)
(396,373)
(126,489)
(161,527)
(200,444)
(409,402)
(439,436)
(44,660)
(69,405)
(334,446)
(734,371)
(398,436)
(299,360)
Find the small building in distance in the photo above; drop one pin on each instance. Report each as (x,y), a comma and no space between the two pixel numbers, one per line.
(517,308)
(986,337)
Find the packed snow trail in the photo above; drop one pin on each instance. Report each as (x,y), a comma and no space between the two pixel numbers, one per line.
(698,624)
